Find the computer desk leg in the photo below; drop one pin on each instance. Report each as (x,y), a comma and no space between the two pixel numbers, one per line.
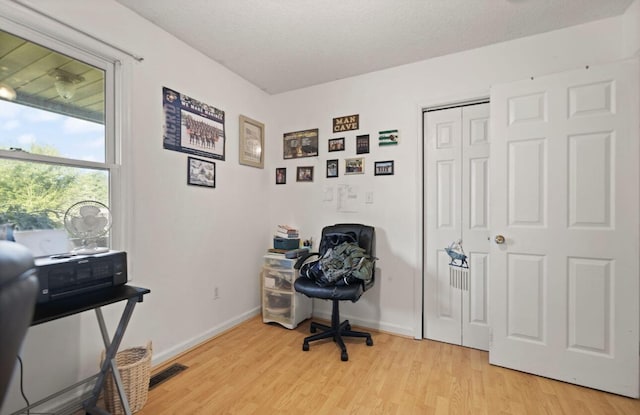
(109,359)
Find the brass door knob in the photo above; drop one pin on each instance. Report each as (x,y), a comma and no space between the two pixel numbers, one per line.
(499,239)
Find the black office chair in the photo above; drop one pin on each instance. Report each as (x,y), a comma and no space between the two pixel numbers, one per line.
(18,290)
(365,237)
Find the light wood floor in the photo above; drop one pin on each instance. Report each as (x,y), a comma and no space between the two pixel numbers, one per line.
(258,368)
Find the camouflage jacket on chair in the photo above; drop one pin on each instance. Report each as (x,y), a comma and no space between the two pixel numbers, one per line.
(345,264)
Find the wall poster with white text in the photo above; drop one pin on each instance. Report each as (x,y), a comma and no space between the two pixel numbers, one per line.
(191,126)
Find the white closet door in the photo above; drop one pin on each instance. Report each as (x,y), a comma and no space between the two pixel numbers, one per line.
(442,308)
(475,224)
(456,169)
(564,194)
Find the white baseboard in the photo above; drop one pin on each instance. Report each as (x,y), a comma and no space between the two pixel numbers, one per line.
(166,355)
(370,324)
(169,354)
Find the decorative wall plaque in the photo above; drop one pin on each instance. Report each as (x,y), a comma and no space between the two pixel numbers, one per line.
(347,123)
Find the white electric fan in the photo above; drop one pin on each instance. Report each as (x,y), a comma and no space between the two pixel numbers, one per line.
(87,221)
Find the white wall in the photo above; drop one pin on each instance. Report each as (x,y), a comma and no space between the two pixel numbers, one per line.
(186,240)
(392,99)
(631,27)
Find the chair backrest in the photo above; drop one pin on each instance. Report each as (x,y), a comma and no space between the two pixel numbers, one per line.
(365,235)
(18,290)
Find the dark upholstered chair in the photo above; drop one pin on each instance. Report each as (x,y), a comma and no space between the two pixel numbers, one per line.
(365,235)
(18,290)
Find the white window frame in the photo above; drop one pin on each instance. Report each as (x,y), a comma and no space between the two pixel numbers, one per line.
(61,38)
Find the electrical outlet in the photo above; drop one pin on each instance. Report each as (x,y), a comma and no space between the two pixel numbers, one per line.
(215,293)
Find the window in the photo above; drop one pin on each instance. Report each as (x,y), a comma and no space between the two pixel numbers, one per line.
(57,144)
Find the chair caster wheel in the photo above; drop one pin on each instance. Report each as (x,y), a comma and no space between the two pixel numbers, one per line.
(313,329)
(305,347)
(348,327)
(344,356)
(369,341)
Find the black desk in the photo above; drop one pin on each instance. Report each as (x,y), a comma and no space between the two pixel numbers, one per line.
(93,301)
(54,310)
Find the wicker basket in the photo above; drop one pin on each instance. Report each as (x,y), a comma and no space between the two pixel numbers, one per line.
(134,365)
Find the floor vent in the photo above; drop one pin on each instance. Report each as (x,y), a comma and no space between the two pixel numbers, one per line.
(165,374)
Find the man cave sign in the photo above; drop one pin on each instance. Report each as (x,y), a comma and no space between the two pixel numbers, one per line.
(350,122)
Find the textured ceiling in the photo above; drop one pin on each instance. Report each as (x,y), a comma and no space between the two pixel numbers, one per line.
(281,45)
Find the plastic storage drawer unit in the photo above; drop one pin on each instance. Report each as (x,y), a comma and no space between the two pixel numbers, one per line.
(280,302)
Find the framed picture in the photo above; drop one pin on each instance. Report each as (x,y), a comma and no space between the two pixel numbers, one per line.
(201,172)
(300,144)
(354,165)
(362,144)
(332,168)
(383,168)
(304,174)
(336,144)
(281,175)
(251,142)
(192,126)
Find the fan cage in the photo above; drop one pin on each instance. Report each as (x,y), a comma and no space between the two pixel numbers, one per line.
(83,214)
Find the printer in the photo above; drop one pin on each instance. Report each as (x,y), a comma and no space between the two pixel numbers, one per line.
(67,275)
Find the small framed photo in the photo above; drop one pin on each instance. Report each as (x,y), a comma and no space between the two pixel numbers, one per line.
(304,174)
(251,142)
(336,144)
(362,144)
(332,168)
(281,175)
(201,172)
(354,165)
(383,168)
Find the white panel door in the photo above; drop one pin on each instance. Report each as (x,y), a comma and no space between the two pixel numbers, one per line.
(564,194)
(475,224)
(457,199)
(443,155)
